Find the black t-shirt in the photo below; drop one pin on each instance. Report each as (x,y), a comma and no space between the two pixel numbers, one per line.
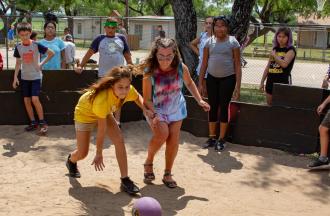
(275,68)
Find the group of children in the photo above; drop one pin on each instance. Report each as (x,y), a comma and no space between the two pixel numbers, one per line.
(163,103)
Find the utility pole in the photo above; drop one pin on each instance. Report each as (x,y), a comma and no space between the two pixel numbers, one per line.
(126,15)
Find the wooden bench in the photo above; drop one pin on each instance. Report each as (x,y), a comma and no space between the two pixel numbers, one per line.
(260,51)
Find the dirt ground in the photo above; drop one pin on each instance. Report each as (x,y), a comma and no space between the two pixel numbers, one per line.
(240,181)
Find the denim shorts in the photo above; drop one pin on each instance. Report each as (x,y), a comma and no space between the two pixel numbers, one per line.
(30,87)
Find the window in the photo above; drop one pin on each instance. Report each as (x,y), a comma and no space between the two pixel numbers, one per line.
(79,28)
(138,30)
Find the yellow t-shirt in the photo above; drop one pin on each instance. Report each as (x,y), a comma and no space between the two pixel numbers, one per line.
(104,103)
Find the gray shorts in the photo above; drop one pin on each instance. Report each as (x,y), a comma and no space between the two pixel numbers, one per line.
(326,121)
(84,126)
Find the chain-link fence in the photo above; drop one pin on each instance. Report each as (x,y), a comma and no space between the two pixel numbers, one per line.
(311,41)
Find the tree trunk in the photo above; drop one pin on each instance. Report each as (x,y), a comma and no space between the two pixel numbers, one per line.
(185,30)
(240,19)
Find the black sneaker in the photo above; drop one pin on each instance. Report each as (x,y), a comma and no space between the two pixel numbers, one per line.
(128,186)
(220,145)
(318,164)
(73,169)
(209,143)
(33,126)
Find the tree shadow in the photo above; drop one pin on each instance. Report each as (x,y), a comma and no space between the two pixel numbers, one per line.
(99,200)
(19,141)
(171,200)
(221,162)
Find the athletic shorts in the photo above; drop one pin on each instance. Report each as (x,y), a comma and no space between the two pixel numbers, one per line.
(276,78)
(30,87)
(79,126)
(326,121)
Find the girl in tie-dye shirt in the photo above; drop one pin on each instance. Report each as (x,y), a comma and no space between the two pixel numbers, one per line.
(162,85)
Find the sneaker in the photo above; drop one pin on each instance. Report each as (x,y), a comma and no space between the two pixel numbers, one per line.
(318,164)
(128,186)
(220,145)
(209,143)
(33,126)
(73,169)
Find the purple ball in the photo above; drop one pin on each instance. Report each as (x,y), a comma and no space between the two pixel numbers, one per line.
(146,206)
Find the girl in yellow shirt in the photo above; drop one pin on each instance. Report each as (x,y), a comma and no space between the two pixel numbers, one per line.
(95,108)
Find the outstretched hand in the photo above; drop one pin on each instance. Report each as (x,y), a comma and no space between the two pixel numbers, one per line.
(204,105)
(98,162)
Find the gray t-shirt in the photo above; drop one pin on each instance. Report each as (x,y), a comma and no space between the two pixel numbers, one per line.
(30,55)
(112,50)
(221,59)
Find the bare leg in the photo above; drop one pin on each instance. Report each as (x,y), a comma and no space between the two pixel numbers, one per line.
(28,107)
(212,129)
(117,139)
(223,129)
(324,140)
(38,106)
(269,98)
(83,138)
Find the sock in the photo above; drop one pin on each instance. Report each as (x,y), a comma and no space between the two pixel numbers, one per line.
(323,158)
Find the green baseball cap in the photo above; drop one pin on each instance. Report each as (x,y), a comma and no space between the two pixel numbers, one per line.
(110,24)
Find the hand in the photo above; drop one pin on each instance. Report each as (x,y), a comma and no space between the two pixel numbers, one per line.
(202,88)
(237,94)
(149,114)
(154,122)
(204,105)
(273,53)
(262,87)
(15,83)
(320,109)
(98,162)
(78,69)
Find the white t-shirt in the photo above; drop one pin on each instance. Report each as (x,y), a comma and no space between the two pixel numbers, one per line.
(70,52)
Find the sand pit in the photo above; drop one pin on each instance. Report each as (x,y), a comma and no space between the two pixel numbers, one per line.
(240,181)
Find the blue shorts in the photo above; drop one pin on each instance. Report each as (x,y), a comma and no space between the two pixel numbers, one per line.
(30,87)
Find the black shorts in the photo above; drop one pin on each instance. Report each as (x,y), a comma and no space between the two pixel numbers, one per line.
(30,87)
(276,78)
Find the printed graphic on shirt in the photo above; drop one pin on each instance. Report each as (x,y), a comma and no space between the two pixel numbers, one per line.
(28,57)
(274,67)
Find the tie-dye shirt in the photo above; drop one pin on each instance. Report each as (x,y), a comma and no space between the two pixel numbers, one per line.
(167,95)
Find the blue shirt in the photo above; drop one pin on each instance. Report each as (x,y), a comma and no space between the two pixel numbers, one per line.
(111,50)
(57,45)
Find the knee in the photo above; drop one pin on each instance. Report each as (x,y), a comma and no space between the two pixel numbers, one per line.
(161,136)
(27,100)
(35,100)
(323,130)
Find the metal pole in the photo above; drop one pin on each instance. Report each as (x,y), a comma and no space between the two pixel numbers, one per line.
(126,16)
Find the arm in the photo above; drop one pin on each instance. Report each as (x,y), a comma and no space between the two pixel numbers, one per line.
(189,83)
(147,100)
(194,45)
(287,58)
(238,72)
(63,65)
(139,101)
(264,76)
(128,57)
(100,135)
(201,80)
(50,53)
(87,56)
(17,68)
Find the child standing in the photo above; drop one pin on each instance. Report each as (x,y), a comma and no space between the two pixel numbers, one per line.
(96,108)
(27,54)
(70,51)
(280,64)
(323,161)
(162,85)
(222,60)
(11,37)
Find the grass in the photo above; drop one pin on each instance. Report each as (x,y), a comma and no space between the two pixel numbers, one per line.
(251,94)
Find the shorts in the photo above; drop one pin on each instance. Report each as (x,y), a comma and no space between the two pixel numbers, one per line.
(30,87)
(79,126)
(326,121)
(168,118)
(276,78)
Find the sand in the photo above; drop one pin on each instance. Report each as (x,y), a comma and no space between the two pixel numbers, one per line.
(240,181)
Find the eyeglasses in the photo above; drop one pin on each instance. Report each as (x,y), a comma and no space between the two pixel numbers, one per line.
(165,58)
(50,27)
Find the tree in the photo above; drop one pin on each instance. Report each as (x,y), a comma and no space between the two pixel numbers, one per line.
(185,29)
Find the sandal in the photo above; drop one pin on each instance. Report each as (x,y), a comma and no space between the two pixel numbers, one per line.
(169,184)
(148,176)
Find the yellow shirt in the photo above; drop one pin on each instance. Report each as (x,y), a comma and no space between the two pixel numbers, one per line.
(104,103)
